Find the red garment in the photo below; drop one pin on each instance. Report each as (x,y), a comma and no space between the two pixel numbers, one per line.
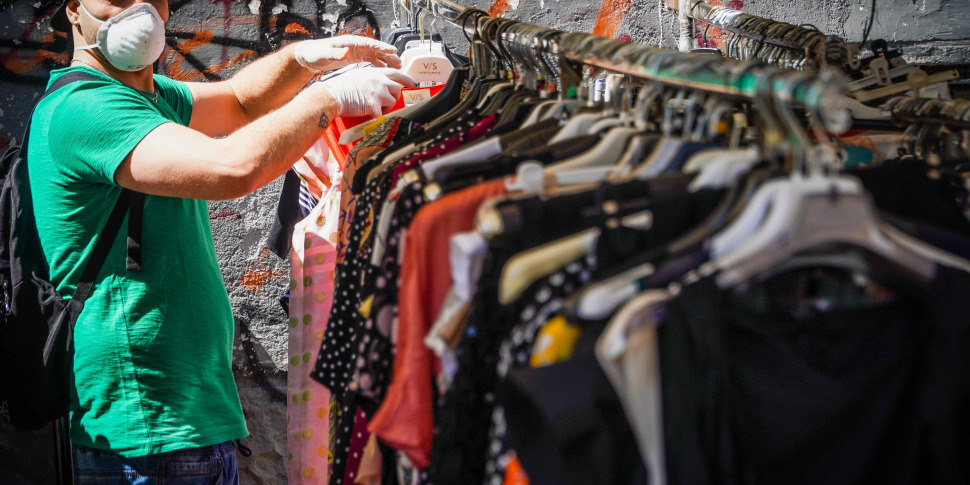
(341,124)
(356,451)
(405,420)
(447,146)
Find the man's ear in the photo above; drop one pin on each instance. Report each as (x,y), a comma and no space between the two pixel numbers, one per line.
(72,9)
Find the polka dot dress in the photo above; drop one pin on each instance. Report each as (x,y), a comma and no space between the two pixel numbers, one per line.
(375,356)
(333,367)
(339,356)
(468,435)
(540,302)
(334,363)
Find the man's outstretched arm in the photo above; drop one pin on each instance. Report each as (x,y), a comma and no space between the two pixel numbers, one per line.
(220,108)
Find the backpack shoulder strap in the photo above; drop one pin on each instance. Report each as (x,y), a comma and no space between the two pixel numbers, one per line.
(69,78)
(103,246)
(125,202)
(62,81)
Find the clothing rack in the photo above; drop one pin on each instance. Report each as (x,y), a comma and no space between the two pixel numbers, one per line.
(953,112)
(745,80)
(817,48)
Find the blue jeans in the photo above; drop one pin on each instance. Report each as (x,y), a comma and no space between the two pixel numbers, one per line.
(208,465)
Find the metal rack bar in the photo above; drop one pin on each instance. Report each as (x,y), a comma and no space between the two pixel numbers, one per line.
(673,68)
(953,112)
(817,47)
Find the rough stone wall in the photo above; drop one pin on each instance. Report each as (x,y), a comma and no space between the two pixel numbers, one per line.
(210,39)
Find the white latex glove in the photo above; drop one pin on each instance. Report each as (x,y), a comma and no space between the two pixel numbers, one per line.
(320,55)
(366,91)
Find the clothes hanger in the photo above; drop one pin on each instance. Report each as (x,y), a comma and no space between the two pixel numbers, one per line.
(491,35)
(605,154)
(801,212)
(546,77)
(594,302)
(643,143)
(535,76)
(427,66)
(513,109)
(671,152)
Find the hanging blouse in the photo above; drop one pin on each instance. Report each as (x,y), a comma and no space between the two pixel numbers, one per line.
(405,420)
(461,441)
(540,303)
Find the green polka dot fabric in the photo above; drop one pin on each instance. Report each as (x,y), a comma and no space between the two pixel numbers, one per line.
(312,265)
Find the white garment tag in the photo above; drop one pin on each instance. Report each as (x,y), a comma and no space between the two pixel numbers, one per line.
(415,96)
(466,255)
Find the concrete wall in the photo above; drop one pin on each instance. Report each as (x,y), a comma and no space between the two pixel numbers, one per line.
(211,39)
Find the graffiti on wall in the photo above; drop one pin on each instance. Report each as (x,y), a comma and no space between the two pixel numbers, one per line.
(207,41)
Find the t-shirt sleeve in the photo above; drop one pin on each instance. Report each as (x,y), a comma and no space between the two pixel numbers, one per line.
(96,126)
(178,96)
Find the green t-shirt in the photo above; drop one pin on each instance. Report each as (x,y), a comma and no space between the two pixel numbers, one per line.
(153,348)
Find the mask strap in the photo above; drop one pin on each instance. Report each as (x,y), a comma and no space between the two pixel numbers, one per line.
(94,45)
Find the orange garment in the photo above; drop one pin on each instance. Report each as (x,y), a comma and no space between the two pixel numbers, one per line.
(405,420)
(340,124)
(514,473)
(369,472)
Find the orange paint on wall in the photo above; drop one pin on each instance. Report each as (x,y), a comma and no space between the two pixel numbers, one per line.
(611,16)
(253,279)
(498,8)
(295,28)
(21,64)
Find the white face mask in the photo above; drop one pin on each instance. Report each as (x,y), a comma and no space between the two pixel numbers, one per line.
(131,40)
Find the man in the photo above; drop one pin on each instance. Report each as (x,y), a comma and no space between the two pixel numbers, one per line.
(155,396)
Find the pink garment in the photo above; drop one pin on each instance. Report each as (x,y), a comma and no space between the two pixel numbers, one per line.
(405,420)
(313,257)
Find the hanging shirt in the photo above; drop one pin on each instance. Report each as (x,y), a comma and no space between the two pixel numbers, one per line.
(405,419)
(881,392)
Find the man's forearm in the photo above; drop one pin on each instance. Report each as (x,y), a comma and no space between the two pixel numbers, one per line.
(269,82)
(270,145)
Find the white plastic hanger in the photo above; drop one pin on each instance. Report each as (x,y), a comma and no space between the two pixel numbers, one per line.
(606,152)
(725,171)
(472,153)
(576,126)
(799,213)
(533,117)
(427,64)
(602,298)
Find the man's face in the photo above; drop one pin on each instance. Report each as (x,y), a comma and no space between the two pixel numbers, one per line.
(105,9)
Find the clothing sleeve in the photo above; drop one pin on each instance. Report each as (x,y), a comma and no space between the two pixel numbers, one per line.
(97,125)
(177,95)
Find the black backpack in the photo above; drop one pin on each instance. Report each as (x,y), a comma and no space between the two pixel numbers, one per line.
(36,322)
